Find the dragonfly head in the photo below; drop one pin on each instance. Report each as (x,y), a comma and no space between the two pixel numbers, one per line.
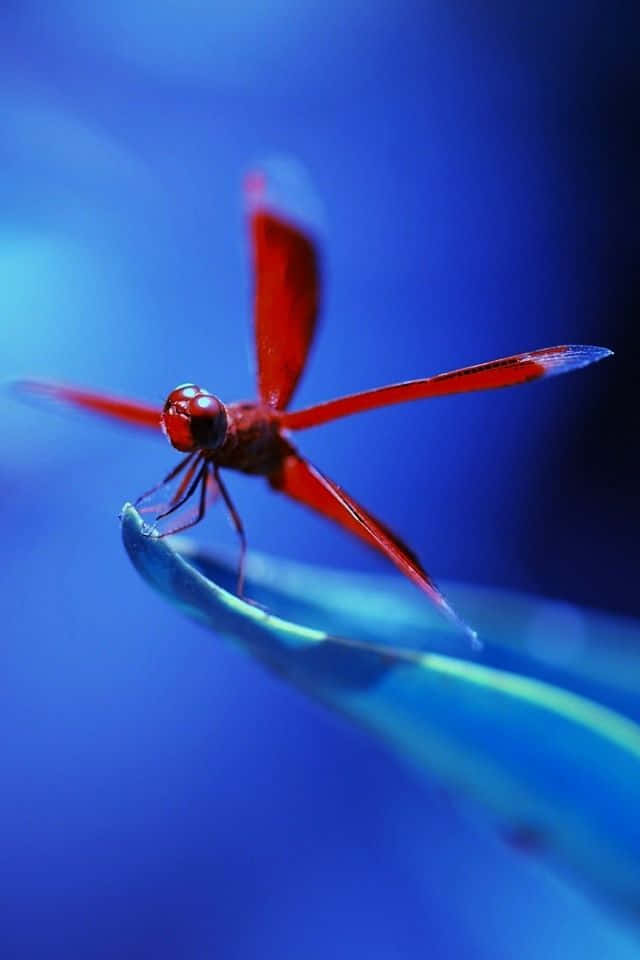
(193,419)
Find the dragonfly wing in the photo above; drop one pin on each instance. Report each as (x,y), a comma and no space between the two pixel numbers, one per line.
(127,411)
(507,372)
(286,284)
(303,482)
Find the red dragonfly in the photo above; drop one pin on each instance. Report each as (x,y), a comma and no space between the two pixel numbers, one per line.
(255,437)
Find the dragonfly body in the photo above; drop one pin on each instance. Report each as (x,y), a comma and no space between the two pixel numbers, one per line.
(253,437)
(255,442)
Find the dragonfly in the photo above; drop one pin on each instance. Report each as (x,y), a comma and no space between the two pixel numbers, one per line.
(256,437)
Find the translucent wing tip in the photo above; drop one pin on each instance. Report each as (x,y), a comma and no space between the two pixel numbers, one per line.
(449,612)
(572,356)
(34,389)
(281,185)
(24,386)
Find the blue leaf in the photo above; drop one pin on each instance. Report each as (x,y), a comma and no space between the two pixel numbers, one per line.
(541,729)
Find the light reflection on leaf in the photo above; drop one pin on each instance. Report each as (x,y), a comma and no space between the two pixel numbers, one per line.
(540,729)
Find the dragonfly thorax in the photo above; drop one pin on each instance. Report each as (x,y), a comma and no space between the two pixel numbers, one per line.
(194,419)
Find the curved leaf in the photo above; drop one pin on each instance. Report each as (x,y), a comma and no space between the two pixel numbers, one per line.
(541,729)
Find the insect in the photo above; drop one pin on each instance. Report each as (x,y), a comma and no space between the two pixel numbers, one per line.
(255,437)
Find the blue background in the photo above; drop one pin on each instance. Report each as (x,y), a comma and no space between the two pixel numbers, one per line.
(160,796)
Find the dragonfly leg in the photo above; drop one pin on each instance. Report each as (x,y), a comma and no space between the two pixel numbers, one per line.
(169,477)
(184,483)
(202,478)
(237,523)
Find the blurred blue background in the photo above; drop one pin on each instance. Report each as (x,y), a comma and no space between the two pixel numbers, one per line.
(161,796)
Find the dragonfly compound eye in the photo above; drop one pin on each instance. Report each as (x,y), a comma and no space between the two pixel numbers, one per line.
(208,420)
(181,394)
(194,419)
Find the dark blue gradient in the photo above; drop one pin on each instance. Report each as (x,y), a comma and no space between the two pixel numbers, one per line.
(161,796)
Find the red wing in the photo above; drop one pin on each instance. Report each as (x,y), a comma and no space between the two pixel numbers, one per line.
(301,481)
(127,411)
(286,293)
(507,372)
